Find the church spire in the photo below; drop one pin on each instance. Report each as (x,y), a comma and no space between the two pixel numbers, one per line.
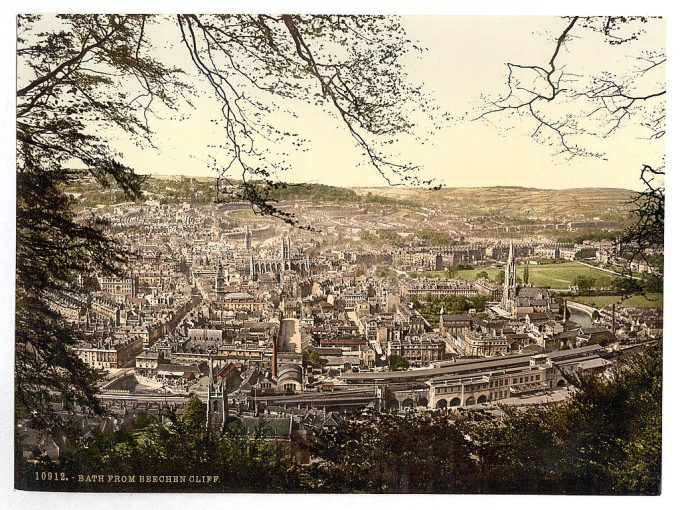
(509,285)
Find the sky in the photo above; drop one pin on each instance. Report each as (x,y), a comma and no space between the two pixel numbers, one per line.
(465,58)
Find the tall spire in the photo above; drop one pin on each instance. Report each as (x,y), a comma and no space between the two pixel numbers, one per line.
(509,285)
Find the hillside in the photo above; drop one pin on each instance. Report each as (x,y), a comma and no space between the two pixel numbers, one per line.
(483,206)
(523,205)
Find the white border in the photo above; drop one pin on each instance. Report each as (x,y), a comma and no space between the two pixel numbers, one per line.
(27,500)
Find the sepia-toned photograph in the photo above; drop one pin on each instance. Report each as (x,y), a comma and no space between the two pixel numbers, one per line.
(339,253)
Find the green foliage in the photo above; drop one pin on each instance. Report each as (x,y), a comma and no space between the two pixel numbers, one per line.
(52,250)
(526,274)
(316,193)
(652,300)
(386,453)
(194,414)
(243,461)
(386,272)
(373,198)
(436,238)
(431,306)
(398,362)
(500,277)
(383,238)
(606,440)
(482,274)
(652,283)
(626,285)
(585,283)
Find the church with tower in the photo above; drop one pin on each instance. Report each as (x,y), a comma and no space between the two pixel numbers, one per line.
(519,300)
(509,284)
(285,262)
(217,410)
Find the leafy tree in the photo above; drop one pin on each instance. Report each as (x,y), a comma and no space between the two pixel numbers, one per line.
(652,283)
(451,271)
(645,236)
(625,285)
(526,274)
(386,272)
(387,453)
(500,277)
(194,414)
(398,362)
(585,283)
(482,274)
(452,304)
(244,461)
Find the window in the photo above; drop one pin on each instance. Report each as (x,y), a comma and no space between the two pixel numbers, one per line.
(514,380)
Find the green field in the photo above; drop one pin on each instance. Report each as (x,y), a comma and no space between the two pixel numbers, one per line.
(650,300)
(555,276)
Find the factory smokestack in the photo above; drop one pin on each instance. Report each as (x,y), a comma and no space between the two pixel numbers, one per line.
(275,371)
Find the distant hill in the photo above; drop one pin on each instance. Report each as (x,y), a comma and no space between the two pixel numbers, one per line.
(515,204)
(608,204)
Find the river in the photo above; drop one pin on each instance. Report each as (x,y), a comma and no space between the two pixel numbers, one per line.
(579,317)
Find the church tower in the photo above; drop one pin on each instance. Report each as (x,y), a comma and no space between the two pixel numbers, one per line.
(219,278)
(285,253)
(509,285)
(218,407)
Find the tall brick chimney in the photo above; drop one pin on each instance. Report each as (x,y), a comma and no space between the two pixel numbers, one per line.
(275,368)
(613,319)
(564,318)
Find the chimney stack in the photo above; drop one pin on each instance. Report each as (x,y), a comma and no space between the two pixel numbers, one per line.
(613,319)
(275,371)
(564,318)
